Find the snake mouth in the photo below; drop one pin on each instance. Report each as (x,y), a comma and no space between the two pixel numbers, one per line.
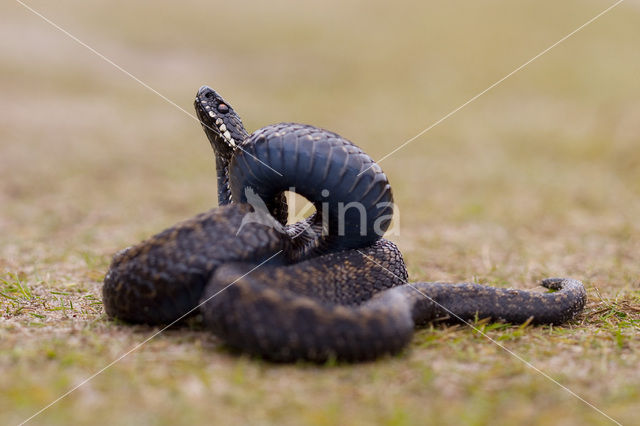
(217,118)
(206,105)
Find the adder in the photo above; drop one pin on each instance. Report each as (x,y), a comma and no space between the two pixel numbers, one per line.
(327,287)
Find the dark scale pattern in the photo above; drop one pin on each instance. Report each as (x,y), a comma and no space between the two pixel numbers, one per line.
(281,314)
(162,278)
(342,181)
(324,294)
(344,306)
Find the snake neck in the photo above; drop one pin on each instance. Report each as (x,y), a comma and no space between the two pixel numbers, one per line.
(222,171)
(225,132)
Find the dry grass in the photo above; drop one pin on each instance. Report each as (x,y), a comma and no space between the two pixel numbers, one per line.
(539,177)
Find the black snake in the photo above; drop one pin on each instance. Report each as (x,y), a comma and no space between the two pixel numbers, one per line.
(326,287)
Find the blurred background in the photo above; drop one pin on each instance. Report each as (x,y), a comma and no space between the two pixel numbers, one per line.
(539,176)
(85,149)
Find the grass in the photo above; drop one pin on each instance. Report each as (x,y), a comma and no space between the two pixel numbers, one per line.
(539,177)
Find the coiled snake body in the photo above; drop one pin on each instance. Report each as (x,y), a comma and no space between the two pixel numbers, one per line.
(328,286)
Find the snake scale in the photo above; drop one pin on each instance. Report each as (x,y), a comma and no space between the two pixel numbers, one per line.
(328,287)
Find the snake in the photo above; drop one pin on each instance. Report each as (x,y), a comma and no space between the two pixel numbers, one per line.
(326,287)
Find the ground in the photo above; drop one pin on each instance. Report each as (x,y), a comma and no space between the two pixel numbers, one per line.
(539,176)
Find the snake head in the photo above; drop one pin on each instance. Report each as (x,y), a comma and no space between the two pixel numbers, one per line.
(220,122)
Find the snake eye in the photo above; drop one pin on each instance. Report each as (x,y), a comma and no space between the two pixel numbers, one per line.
(223,108)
